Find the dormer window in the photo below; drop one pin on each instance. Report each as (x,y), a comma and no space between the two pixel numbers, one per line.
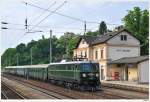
(123,37)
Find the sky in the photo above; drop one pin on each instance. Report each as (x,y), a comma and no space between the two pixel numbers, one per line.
(15,11)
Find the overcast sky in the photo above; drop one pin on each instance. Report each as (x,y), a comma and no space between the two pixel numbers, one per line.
(15,12)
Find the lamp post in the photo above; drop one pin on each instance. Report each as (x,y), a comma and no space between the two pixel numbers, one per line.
(17,60)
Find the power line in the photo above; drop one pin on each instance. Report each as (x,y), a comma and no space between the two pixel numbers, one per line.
(49,15)
(55,31)
(41,20)
(73,18)
(44,11)
(54,27)
(55,12)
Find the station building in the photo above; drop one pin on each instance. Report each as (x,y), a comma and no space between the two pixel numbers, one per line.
(110,48)
(130,69)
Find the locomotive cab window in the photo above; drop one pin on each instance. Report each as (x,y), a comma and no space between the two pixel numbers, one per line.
(90,67)
(86,67)
(95,66)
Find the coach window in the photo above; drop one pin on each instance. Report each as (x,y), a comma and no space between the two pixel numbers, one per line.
(77,67)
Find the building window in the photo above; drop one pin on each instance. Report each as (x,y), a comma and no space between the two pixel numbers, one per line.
(85,54)
(83,42)
(123,37)
(81,54)
(102,52)
(96,54)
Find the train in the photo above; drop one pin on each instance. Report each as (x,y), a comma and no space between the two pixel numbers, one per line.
(83,75)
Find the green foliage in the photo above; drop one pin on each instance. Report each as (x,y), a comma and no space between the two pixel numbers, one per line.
(40,50)
(8,57)
(102,28)
(137,22)
(90,33)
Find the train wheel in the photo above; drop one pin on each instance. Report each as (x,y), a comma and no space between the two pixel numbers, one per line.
(93,89)
(82,88)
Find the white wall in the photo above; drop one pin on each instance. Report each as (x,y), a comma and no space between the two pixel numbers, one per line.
(117,52)
(143,68)
(130,40)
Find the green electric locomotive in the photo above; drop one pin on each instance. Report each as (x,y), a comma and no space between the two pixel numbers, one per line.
(82,75)
(77,74)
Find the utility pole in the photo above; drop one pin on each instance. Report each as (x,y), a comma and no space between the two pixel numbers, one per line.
(31,55)
(50,47)
(26,19)
(84,28)
(17,60)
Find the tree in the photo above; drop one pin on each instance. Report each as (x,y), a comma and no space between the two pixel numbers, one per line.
(94,33)
(67,43)
(9,57)
(21,48)
(137,22)
(102,28)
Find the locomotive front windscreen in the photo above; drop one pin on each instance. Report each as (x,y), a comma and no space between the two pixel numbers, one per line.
(90,67)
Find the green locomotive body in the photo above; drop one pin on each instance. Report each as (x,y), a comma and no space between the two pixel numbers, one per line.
(75,74)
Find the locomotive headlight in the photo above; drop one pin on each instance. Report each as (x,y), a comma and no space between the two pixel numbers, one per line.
(84,75)
(97,75)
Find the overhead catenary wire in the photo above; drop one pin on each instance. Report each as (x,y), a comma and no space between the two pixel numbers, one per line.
(48,15)
(45,31)
(74,18)
(71,17)
(54,27)
(41,20)
(44,11)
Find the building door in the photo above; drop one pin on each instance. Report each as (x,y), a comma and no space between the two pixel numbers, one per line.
(126,74)
(102,74)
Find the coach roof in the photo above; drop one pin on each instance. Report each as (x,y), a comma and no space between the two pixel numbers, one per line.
(30,66)
(46,65)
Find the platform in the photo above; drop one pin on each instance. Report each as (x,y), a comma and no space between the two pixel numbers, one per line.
(127,85)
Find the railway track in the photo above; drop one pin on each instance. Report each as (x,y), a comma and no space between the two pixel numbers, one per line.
(53,95)
(71,94)
(106,93)
(9,93)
